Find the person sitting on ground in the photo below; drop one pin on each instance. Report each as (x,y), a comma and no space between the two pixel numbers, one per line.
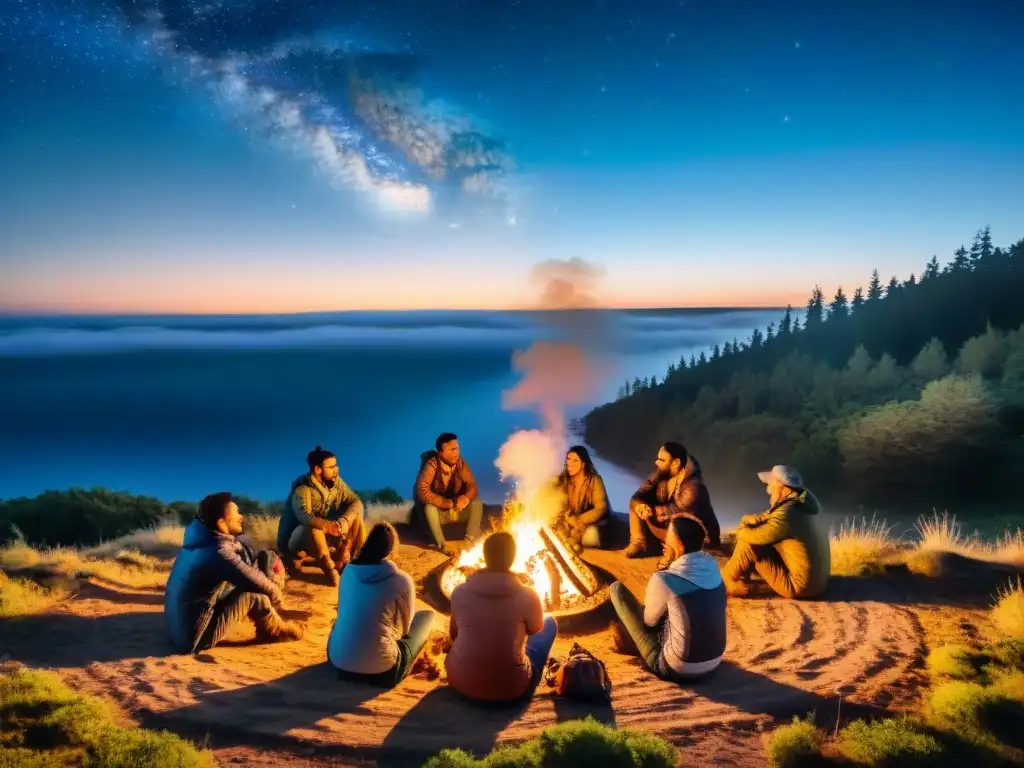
(446,491)
(216,584)
(586,502)
(376,637)
(322,513)
(787,545)
(679,631)
(501,639)
(675,487)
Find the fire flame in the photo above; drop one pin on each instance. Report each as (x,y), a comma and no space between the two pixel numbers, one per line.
(531,554)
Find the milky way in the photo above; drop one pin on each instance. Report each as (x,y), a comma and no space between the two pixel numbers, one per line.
(307,77)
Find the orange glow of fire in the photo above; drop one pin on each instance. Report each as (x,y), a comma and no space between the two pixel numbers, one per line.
(530,557)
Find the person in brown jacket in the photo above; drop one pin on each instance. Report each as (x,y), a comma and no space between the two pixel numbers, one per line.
(446,491)
(675,487)
(585,507)
(501,639)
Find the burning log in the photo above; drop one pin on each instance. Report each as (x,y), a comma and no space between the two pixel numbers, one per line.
(579,574)
(551,567)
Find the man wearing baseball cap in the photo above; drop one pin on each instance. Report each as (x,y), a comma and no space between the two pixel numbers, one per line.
(787,545)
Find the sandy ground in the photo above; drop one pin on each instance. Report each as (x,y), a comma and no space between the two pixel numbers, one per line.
(270,704)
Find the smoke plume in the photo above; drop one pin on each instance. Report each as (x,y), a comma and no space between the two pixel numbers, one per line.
(554,375)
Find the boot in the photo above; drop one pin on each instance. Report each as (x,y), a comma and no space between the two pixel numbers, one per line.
(271,628)
(635,549)
(327,566)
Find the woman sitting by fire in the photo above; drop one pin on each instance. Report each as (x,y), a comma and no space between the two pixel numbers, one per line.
(586,502)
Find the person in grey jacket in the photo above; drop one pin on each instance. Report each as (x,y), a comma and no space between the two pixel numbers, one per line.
(215,583)
(376,636)
(680,629)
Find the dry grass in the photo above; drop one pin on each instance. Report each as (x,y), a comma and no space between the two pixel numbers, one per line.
(162,542)
(61,564)
(1008,613)
(860,549)
(23,597)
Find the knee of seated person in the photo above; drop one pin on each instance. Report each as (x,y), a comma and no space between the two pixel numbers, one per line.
(616,588)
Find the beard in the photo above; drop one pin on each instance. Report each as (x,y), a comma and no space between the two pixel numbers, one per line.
(327,483)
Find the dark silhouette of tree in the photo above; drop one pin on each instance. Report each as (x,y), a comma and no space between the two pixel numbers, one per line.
(786,324)
(838,308)
(716,352)
(858,299)
(932,269)
(875,287)
(815,309)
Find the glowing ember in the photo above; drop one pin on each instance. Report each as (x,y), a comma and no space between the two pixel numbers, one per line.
(532,563)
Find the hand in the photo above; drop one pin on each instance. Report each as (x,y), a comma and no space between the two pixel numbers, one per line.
(462,502)
(643,511)
(277,600)
(661,514)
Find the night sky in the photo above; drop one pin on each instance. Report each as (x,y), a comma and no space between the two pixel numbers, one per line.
(293,155)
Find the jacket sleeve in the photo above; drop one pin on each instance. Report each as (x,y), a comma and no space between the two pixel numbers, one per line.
(646,493)
(302,505)
(424,481)
(534,612)
(771,530)
(656,601)
(406,603)
(599,501)
(349,502)
(469,488)
(687,501)
(240,574)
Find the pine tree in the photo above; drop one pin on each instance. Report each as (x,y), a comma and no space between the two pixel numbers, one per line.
(646,383)
(893,287)
(727,349)
(858,299)
(931,269)
(815,308)
(769,332)
(702,358)
(839,308)
(975,252)
(786,325)
(875,287)
(716,352)
(910,280)
(637,384)
(654,381)
(931,362)
(693,361)
(756,338)
(961,260)
(985,239)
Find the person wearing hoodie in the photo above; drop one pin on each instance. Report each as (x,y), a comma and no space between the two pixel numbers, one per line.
(446,492)
(321,514)
(787,545)
(376,636)
(501,639)
(676,487)
(679,631)
(215,584)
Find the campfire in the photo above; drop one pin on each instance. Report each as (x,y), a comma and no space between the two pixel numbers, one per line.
(544,561)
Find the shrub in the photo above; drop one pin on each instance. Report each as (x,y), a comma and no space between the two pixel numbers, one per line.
(569,744)
(794,745)
(888,742)
(862,549)
(1008,613)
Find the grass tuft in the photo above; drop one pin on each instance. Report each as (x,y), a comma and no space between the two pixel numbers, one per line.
(864,548)
(794,745)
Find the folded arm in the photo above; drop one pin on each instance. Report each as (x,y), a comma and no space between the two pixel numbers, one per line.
(469,487)
(302,504)
(646,493)
(656,601)
(769,529)
(237,572)
(424,483)
(687,501)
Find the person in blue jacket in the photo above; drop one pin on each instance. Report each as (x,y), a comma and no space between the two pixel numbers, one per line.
(680,629)
(217,584)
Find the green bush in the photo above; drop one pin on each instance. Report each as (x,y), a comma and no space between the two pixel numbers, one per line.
(568,745)
(891,742)
(795,745)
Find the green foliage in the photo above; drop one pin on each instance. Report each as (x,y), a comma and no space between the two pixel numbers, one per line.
(569,744)
(795,745)
(891,742)
(45,723)
(79,517)
(863,386)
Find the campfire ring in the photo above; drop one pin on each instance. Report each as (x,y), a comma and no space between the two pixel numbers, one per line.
(591,616)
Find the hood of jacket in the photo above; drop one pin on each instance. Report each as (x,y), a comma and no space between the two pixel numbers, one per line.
(493,584)
(692,469)
(198,536)
(698,568)
(373,574)
(807,500)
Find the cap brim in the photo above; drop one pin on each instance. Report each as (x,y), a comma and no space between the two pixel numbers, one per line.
(765,477)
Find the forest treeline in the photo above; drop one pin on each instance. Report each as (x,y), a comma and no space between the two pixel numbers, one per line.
(909,390)
(83,517)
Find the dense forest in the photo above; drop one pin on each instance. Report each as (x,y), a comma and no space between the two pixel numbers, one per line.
(908,391)
(82,517)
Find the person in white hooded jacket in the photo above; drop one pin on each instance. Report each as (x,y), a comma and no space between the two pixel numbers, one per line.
(680,629)
(376,637)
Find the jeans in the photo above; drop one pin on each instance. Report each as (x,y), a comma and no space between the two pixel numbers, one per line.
(315,543)
(473,515)
(233,608)
(409,647)
(631,614)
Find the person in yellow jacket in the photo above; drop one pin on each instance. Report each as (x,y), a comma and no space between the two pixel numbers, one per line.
(787,545)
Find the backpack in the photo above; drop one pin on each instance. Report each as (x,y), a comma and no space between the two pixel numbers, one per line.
(583,677)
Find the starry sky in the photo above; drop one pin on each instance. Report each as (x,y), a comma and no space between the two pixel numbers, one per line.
(285,156)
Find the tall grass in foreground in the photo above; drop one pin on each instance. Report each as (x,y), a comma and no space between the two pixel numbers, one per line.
(44,723)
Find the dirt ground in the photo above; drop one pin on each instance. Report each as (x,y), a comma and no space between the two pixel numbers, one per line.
(863,645)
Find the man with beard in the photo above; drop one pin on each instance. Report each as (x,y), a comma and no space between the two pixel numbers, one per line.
(217,583)
(446,492)
(322,513)
(676,487)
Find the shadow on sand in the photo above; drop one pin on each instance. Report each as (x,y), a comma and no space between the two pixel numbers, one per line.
(63,640)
